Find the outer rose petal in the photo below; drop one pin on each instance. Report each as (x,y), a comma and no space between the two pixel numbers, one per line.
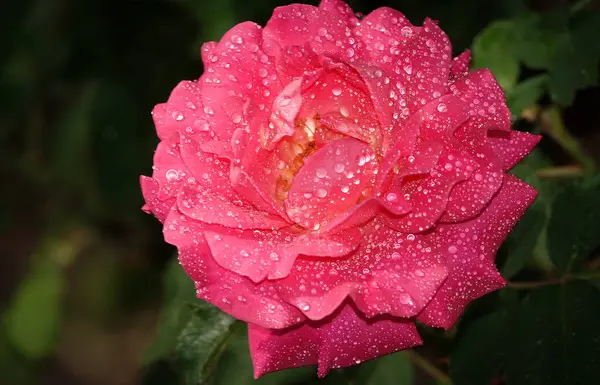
(486,99)
(236,62)
(467,199)
(425,66)
(460,64)
(155,205)
(184,113)
(470,248)
(391,272)
(344,340)
(229,291)
(513,147)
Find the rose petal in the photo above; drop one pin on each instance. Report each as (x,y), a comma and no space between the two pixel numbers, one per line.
(239,73)
(209,197)
(231,292)
(347,339)
(389,273)
(428,195)
(340,9)
(155,205)
(340,99)
(183,112)
(332,180)
(513,147)
(467,199)
(460,64)
(425,66)
(470,248)
(271,254)
(291,24)
(486,100)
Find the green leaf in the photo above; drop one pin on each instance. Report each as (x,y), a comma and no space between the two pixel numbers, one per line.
(536,37)
(493,49)
(541,208)
(555,337)
(392,369)
(574,229)
(179,295)
(575,63)
(237,355)
(523,240)
(33,320)
(526,93)
(202,341)
(467,364)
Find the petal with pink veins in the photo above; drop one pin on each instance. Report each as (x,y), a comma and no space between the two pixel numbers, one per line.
(470,249)
(333,179)
(344,340)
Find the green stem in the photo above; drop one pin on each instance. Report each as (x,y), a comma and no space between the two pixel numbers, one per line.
(560,172)
(554,127)
(553,281)
(429,368)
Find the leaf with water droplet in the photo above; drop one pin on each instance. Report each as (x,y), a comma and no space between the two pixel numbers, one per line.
(202,341)
(179,295)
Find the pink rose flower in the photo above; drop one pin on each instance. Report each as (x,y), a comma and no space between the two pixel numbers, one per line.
(330,180)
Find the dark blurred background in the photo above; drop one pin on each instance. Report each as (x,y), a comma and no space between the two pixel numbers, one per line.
(81,264)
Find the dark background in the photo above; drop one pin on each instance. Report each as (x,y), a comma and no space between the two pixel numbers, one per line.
(78,80)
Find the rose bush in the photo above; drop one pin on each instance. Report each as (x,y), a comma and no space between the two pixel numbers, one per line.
(330,180)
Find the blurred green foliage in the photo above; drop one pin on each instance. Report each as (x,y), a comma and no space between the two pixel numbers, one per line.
(81,265)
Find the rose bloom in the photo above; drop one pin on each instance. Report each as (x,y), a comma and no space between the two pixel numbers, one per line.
(330,180)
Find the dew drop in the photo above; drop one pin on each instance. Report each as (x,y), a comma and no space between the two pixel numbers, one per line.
(321,193)
(172,175)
